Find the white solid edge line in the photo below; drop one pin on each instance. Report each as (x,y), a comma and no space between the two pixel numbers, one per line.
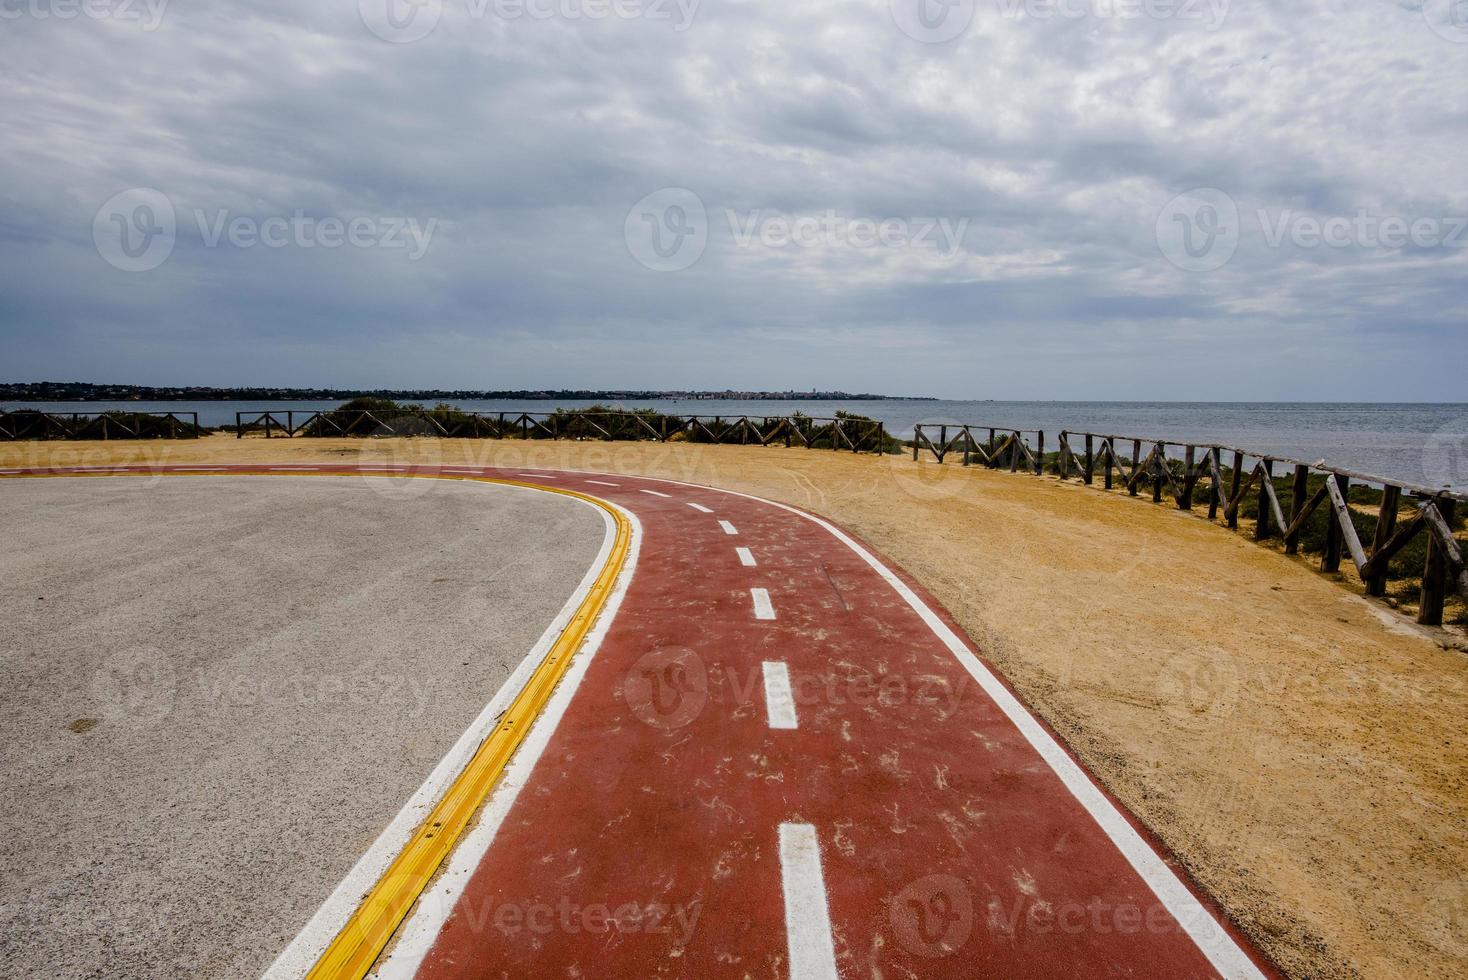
(763,607)
(728,528)
(746,557)
(417,934)
(779,702)
(700,508)
(1206,931)
(303,952)
(807,914)
(654,493)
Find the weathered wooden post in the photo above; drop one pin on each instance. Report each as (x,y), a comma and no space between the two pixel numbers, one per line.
(1334,537)
(1235,481)
(1386,524)
(1435,572)
(1298,491)
(1040,453)
(1131,487)
(1089,475)
(1190,478)
(1159,460)
(917,434)
(1262,525)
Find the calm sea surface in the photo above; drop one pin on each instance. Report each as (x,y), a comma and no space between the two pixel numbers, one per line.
(1415,443)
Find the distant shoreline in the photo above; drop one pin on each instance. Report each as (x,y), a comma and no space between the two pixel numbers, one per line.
(67,391)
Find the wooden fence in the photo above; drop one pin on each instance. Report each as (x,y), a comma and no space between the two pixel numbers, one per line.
(854,434)
(1180,469)
(1001,447)
(31,424)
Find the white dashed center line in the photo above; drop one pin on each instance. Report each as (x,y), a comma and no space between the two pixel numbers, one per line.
(541,476)
(763,608)
(700,508)
(746,557)
(807,916)
(604,483)
(656,494)
(779,702)
(728,528)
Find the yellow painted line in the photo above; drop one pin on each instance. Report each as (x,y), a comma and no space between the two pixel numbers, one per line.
(366,934)
(354,950)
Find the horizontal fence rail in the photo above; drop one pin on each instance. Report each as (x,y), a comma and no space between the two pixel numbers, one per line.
(1000,447)
(1185,471)
(1313,486)
(854,434)
(30,424)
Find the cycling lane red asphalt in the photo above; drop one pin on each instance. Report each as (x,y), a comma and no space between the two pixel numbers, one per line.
(648,839)
(898,815)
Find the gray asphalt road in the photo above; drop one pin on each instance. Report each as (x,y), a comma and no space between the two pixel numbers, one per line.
(218,691)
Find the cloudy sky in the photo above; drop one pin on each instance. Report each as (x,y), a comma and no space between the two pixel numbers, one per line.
(1129,199)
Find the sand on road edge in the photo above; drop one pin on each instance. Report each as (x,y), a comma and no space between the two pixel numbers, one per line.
(1301,750)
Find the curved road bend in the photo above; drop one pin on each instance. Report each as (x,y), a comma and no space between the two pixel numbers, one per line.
(782,760)
(265,670)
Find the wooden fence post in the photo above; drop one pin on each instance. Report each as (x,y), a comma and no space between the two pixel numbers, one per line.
(1089,476)
(1331,560)
(1386,523)
(1435,572)
(1040,453)
(1159,460)
(1190,478)
(1299,490)
(1262,525)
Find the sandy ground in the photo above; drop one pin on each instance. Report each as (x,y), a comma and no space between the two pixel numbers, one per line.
(219,691)
(1302,751)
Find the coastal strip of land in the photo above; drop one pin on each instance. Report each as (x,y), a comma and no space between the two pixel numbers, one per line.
(1299,748)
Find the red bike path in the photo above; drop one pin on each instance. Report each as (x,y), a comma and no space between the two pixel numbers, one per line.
(787,761)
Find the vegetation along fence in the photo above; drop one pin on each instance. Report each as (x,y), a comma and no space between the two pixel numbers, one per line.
(843,432)
(1330,510)
(27,424)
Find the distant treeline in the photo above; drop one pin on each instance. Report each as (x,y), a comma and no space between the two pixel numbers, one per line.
(68,391)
